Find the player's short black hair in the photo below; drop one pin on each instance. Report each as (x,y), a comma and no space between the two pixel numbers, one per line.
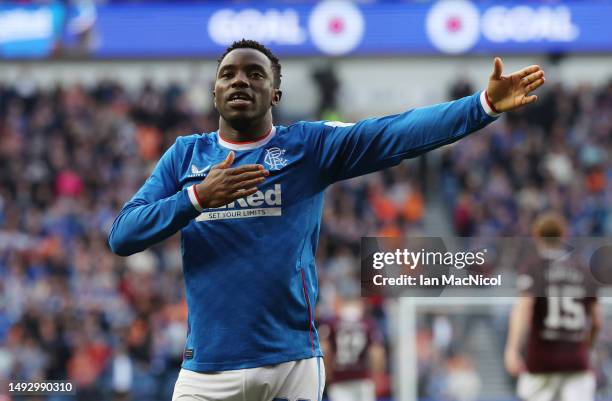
(253,44)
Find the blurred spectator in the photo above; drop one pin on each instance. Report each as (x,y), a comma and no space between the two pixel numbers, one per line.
(328,84)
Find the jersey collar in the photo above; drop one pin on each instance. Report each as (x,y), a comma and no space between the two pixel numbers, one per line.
(246,145)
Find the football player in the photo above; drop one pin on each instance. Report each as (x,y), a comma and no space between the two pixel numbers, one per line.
(248,200)
(557,329)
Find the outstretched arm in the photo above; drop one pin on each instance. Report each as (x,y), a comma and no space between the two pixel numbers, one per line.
(342,151)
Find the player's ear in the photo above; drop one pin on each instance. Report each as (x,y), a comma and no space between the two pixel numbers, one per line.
(214,100)
(276,97)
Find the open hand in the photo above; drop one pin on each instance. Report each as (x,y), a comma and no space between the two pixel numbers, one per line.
(508,92)
(224,184)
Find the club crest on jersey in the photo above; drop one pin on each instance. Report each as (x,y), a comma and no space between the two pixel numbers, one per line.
(274,158)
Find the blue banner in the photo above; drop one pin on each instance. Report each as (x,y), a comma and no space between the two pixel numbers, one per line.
(333,28)
(29,31)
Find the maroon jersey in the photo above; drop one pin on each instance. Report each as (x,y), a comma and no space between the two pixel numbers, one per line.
(350,341)
(560,321)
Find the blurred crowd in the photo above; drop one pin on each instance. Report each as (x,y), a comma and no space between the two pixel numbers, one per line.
(71,156)
(552,156)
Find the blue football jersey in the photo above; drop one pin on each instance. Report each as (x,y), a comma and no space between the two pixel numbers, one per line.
(249,266)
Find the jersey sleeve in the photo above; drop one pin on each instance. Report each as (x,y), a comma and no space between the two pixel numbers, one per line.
(158,210)
(343,151)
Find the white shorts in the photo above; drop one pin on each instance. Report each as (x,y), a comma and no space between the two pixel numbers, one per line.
(578,386)
(289,381)
(352,390)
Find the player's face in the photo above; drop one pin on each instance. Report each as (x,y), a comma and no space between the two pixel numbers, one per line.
(244,86)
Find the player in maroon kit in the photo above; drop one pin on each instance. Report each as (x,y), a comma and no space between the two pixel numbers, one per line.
(560,328)
(353,352)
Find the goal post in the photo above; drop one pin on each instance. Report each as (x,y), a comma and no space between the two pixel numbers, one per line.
(406,372)
(405,313)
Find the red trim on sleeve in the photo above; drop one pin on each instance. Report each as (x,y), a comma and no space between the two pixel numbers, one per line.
(195,192)
(490,104)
